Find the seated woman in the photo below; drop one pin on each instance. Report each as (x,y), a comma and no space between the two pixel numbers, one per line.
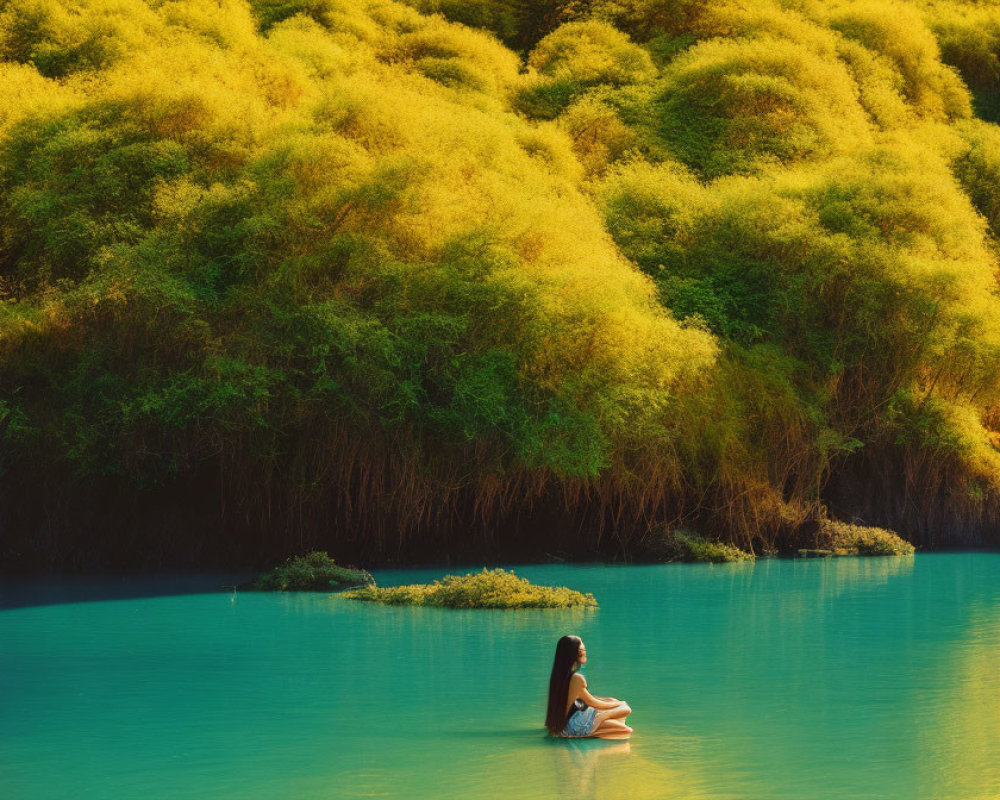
(575,712)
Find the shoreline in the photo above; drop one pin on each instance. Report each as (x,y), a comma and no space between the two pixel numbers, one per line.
(249,572)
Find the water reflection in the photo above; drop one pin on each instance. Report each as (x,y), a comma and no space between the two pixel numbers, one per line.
(959,749)
(582,759)
(586,769)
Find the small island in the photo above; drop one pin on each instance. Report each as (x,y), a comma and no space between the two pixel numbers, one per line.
(496,588)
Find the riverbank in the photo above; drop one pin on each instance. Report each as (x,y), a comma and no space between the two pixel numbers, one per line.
(253,569)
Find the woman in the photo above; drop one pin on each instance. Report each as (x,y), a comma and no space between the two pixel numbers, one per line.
(575,712)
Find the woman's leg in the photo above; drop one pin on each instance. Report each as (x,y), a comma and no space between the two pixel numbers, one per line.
(612,729)
(616,715)
(620,711)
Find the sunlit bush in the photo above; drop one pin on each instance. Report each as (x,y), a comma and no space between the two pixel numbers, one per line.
(898,33)
(646,19)
(574,58)
(455,57)
(599,136)
(737,106)
(59,41)
(495,588)
(843,538)
(969,38)
(591,53)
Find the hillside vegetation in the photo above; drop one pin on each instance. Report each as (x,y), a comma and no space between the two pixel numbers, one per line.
(400,279)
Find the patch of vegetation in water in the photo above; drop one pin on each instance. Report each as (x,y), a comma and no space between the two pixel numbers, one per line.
(684,545)
(843,538)
(496,588)
(315,571)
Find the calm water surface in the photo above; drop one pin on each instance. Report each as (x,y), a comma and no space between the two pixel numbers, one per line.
(849,678)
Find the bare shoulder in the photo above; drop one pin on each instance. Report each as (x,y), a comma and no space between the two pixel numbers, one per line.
(576,679)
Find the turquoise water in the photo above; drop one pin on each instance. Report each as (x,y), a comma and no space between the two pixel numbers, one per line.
(849,678)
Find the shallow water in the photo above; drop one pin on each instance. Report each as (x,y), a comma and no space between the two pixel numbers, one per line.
(848,678)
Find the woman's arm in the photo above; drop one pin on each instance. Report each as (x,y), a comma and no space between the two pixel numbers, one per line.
(597,702)
(604,703)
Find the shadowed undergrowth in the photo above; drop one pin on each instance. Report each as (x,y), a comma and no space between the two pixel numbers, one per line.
(314,571)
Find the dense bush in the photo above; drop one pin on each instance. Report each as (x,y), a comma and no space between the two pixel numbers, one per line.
(969,37)
(896,32)
(313,572)
(495,588)
(842,538)
(730,106)
(298,254)
(591,53)
(367,268)
(683,545)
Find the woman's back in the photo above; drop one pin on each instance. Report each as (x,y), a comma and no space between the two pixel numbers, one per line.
(577,683)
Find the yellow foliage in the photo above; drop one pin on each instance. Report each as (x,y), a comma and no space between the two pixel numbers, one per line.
(737,103)
(898,32)
(26,93)
(969,37)
(818,144)
(227,23)
(599,136)
(454,56)
(63,37)
(591,52)
(645,19)
(348,103)
(735,20)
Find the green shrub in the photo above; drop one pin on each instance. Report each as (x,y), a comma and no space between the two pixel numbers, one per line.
(546,98)
(495,588)
(842,538)
(315,572)
(683,545)
(730,106)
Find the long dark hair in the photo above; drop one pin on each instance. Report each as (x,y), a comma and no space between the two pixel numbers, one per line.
(567,652)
